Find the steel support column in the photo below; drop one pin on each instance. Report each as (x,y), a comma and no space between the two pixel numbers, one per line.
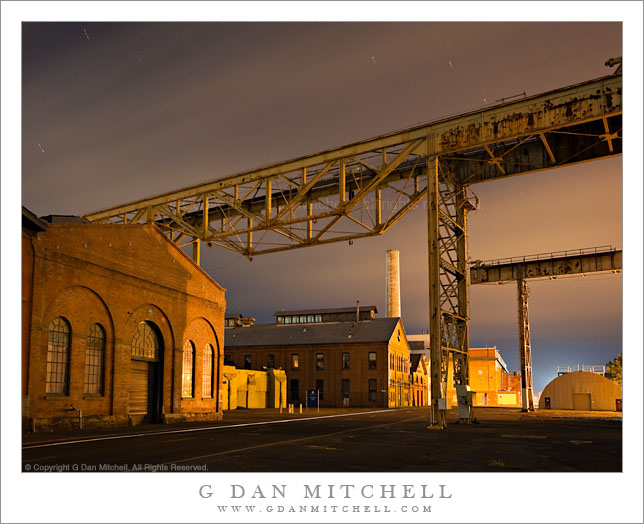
(437,415)
(460,354)
(448,205)
(525,353)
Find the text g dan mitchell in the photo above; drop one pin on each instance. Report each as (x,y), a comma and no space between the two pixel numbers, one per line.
(331,491)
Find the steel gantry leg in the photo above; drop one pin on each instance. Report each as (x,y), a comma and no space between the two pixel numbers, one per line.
(525,353)
(447,208)
(437,412)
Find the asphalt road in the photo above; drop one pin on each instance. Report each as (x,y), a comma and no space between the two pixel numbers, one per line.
(343,441)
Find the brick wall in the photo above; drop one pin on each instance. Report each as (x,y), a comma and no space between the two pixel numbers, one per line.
(117,276)
(307,374)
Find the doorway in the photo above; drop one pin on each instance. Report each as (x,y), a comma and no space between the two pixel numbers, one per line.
(146,374)
(581,401)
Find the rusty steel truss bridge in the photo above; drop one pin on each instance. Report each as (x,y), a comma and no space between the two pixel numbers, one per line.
(363,189)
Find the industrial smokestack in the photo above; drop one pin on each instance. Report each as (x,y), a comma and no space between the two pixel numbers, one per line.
(392,302)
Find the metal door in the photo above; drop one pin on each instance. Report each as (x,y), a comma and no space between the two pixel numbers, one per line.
(581,401)
(139,387)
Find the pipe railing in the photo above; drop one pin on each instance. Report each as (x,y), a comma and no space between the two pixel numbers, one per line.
(546,256)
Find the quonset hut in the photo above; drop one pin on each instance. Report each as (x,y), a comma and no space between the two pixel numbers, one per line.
(582,391)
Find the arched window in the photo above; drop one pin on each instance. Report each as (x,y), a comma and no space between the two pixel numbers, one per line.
(207,373)
(58,357)
(145,343)
(95,360)
(187,384)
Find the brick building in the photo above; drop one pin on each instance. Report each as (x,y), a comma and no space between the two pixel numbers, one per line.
(352,364)
(119,327)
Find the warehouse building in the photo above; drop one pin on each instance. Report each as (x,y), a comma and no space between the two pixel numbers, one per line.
(352,364)
(119,327)
(582,391)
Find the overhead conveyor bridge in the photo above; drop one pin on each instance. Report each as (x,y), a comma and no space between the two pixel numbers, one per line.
(578,262)
(364,188)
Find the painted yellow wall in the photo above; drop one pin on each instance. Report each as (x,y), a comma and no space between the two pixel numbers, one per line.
(486,381)
(251,389)
(399,379)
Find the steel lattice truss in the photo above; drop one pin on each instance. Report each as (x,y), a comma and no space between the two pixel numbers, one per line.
(364,188)
(453,205)
(339,200)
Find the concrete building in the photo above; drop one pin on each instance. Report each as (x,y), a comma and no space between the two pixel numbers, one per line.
(490,380)
(250,389)
(119,327)
(352,364)
(582,391)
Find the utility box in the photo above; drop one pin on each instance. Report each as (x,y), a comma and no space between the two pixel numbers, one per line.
(464,398)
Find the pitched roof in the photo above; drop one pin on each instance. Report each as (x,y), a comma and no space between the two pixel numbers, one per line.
(376,330)
(31,222)
(322,311)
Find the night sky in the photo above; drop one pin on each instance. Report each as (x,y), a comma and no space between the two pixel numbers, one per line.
(115,112)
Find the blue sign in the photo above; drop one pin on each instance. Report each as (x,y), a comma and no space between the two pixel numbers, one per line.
(312,398)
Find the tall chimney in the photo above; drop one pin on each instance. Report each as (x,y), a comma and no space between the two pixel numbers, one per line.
(392,302)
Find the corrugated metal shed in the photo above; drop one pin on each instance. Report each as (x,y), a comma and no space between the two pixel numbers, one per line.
(581,391)
(376,330)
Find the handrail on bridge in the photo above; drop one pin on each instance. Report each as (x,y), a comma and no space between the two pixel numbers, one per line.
(545,256)
(600,370)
